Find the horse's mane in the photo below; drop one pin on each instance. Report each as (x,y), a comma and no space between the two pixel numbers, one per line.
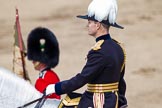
(15,92)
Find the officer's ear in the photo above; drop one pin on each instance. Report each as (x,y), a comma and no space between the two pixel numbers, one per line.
(98,25)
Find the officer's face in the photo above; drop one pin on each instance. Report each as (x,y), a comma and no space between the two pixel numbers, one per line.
(92,27)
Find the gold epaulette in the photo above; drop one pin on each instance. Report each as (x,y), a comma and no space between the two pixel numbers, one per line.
(97,46)
(101,88)
(67,102)
(123,52)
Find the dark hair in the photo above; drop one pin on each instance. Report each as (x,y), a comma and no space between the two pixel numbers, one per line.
(105,26)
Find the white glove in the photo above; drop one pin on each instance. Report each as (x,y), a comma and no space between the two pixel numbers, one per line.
(50,89)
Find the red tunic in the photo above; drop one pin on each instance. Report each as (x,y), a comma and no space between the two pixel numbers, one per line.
(45,78)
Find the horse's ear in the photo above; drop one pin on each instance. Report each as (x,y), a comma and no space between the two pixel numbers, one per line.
(70,101)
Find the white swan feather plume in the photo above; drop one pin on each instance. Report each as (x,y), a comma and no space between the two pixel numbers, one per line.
(103,10)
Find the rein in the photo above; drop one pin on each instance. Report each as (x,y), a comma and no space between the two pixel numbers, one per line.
(39,104)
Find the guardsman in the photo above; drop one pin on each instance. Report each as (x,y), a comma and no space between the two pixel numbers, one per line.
(104,70)
(43,51)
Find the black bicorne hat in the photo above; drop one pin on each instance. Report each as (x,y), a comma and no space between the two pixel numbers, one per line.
(103,21)
(42,46)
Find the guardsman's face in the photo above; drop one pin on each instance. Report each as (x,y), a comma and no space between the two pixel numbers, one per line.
(36,64)
(92,27)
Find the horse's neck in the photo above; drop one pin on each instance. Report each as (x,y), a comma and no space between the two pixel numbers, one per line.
(15,91)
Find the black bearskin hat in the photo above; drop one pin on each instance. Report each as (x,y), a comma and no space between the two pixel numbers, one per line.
(43,46)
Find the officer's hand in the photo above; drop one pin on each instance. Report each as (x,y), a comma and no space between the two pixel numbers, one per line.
(50,89)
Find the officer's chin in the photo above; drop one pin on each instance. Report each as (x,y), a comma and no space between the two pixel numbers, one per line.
(91,34)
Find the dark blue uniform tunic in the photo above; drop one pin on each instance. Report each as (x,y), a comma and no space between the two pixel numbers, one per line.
(103,66)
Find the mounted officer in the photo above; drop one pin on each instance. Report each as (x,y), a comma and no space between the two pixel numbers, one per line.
(105,67)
